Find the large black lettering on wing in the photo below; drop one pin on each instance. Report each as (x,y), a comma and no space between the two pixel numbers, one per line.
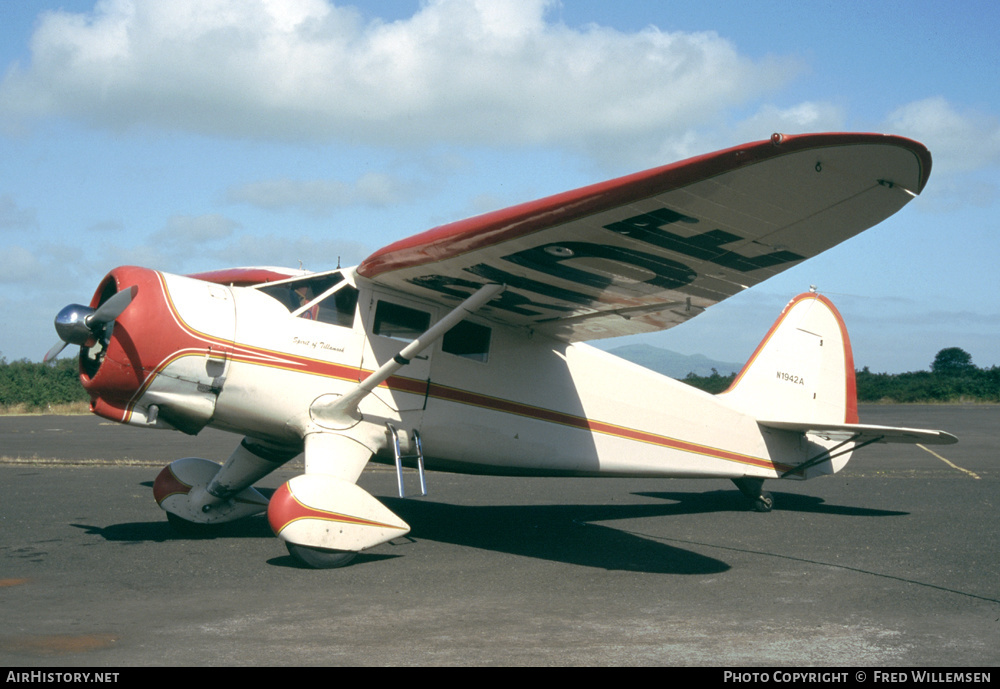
(637,264)
(650,250)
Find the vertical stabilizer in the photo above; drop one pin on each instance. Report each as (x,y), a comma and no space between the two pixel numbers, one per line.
(803,370)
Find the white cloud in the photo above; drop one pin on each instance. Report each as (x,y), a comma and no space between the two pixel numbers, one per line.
(17,264)
(107,226)
(959,141)
(798,119)
(192,230)
(965,148)
(12,216)
(323,196)
(494,72)
(181,254)
(274,250)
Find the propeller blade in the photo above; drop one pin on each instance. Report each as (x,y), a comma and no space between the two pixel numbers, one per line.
(76,323)
(113,307)
(54,352)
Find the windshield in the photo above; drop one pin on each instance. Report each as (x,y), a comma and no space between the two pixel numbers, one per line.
(325,298)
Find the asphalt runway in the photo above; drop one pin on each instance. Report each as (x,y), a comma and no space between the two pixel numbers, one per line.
(892,562)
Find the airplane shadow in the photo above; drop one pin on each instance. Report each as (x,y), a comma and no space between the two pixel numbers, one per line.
(161,531)
(558,533)
(733,501)
(568,533)
(546,533)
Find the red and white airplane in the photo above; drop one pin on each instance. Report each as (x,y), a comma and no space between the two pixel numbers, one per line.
(465,342)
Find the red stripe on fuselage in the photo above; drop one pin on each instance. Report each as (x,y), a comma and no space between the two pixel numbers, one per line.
(258,356)
(551,416)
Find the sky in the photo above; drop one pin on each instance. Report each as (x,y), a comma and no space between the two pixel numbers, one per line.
(200,134)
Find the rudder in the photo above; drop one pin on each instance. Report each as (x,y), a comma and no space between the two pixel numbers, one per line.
(803,370)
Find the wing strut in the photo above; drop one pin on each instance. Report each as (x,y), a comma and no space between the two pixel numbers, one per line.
(345,409)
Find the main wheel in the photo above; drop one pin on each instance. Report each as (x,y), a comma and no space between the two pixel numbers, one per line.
(763,502)
(319,558)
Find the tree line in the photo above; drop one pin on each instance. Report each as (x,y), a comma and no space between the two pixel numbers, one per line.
(31,387)
(952,378)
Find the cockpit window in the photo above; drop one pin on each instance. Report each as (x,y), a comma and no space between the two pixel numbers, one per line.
(324,298)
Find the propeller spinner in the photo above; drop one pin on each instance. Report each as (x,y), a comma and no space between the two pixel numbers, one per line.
(76,324)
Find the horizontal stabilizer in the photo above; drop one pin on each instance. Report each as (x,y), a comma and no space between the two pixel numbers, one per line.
(864,433)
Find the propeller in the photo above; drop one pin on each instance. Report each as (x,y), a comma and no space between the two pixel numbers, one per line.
(76,323)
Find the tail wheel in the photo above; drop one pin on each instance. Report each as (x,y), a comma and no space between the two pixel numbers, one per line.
(763,502)
(753,490)
(320,558)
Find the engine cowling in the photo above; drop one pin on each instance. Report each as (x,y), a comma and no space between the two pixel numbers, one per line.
(164,359)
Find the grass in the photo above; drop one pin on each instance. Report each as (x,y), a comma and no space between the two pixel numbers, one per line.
(64,409)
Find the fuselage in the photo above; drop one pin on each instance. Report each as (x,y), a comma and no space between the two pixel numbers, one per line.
(486,398)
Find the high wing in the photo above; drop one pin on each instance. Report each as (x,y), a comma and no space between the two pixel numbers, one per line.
(649,251)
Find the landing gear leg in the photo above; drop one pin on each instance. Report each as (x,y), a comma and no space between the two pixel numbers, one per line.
(753,489)
(323,516)
(197,492)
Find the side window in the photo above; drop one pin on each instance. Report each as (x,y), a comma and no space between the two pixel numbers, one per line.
(468,340)
(400,322)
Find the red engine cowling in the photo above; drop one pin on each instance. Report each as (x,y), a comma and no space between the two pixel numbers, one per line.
(162,361)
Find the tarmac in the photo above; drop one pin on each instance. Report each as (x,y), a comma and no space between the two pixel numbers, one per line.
(893,562)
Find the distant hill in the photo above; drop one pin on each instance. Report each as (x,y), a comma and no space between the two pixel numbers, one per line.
(671,363)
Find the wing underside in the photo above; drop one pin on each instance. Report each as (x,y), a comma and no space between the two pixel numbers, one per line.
(649,251)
